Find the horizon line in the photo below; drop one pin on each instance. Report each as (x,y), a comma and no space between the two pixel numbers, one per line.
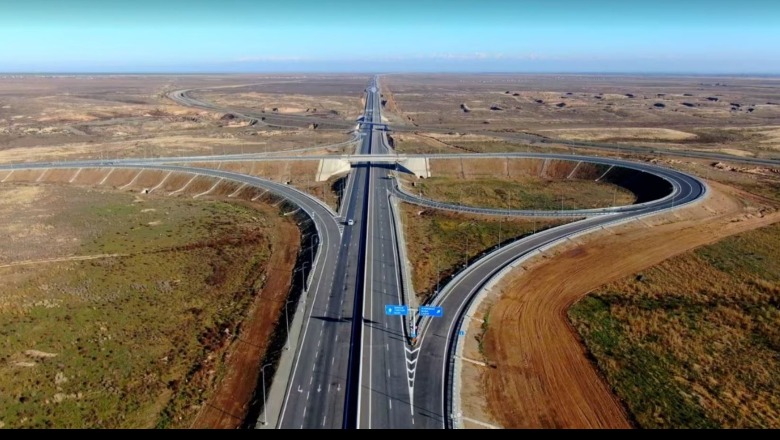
(399,72)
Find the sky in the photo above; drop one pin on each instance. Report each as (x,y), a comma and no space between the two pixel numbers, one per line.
(628,36)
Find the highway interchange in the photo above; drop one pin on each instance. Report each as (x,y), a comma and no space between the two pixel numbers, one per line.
(353,366)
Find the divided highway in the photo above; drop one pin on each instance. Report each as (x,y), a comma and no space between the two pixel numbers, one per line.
(386,388)
(354,366)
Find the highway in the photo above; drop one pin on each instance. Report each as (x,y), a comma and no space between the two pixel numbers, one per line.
(425,370)
(325,380)
(354,366)
(438,336)
(386,393)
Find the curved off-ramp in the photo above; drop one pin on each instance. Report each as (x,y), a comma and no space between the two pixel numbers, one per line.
(435,373)
(664,181)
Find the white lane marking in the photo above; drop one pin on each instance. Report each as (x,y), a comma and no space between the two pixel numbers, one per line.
(333,359)
(307,394)
(311,379)
(391,403)
(387,347)
(323,419)
(388,372)
(370,285)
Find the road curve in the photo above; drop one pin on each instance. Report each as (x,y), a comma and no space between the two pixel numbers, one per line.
(668,175)
(439,337)
(320,277)
(334,280)
(184,97)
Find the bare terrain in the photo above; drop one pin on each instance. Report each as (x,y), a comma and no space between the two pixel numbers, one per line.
(738,116)
(317,96)
(541,376)
(45,118)
(160,343)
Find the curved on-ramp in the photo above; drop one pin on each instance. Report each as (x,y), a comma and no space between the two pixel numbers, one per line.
(325,249)
(439,339)
(671,177)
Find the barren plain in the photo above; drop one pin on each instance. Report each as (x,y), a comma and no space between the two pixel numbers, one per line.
(735,115)
(55,118)
(538,374)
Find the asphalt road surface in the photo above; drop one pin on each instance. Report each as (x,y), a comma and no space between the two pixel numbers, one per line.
(355,366)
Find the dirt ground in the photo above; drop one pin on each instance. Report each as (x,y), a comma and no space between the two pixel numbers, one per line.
(48,118)
(228,406)
(541,376)
(705,113)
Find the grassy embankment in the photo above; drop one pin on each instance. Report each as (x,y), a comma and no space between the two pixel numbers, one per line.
(439,243)
(136,340)
(523,192)
(694,341)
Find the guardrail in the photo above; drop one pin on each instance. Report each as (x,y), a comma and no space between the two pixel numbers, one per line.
(405,195)
(473,301)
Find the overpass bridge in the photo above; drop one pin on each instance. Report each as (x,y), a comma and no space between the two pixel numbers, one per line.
(419,166)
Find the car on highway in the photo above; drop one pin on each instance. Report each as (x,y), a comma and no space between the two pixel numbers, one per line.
(350,222)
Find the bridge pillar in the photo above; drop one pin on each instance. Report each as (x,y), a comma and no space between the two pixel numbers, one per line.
(418,166)
(330,167)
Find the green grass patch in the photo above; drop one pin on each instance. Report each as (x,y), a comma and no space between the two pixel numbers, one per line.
(530,193)
(695,341)
(135,341)
(441,243)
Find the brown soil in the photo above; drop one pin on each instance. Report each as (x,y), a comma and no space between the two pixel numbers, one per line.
(228,405)
(542,376)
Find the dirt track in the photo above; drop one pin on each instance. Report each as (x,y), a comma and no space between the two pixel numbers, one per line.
(543,378)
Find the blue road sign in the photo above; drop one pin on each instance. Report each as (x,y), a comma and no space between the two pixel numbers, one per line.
(433,312)
(396,310)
